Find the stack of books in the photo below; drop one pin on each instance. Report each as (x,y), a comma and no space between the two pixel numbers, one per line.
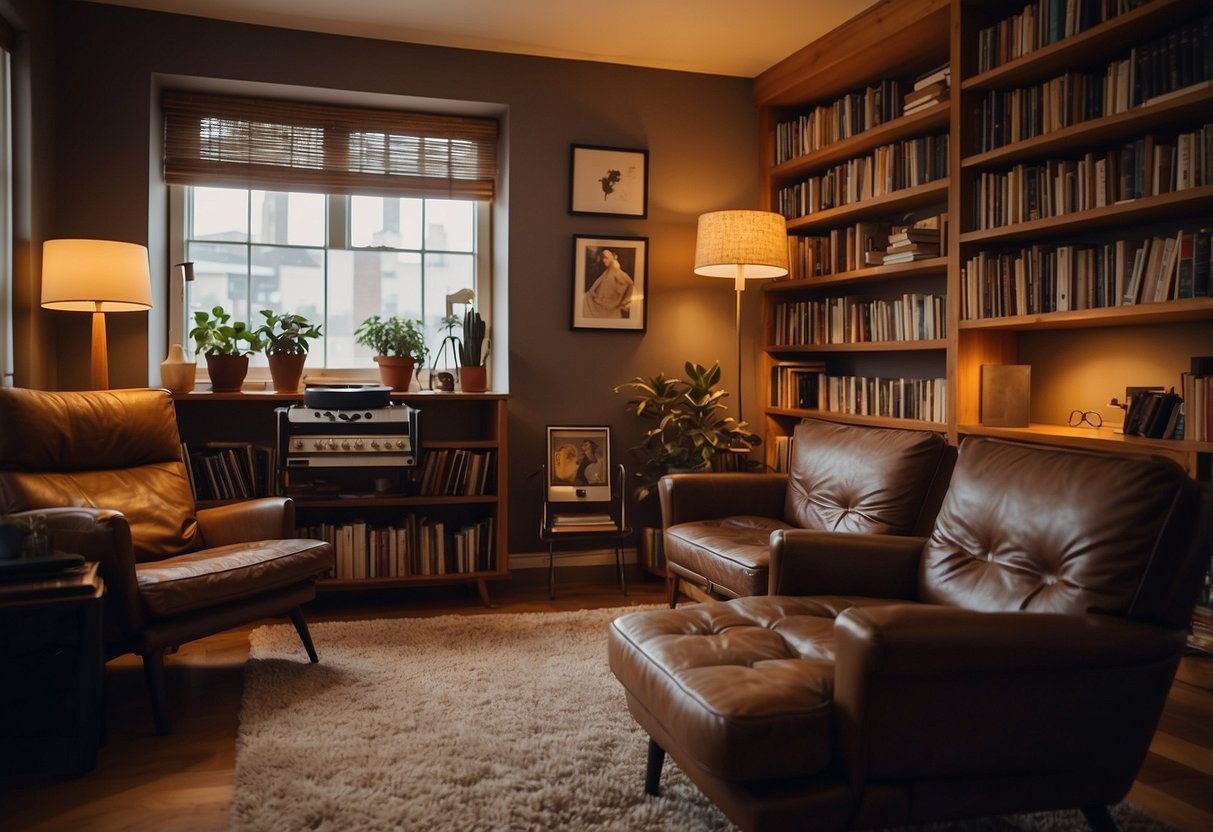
(929,88)
(918,241)
(54,576)
(583,523)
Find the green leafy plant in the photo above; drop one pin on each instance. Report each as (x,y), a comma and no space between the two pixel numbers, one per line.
(689,427)
(392,336)
(215,333)
(473,350)
(286,334)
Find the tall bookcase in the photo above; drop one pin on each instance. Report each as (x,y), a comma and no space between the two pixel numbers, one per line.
(1079,358)
(1014,114)
(450,424)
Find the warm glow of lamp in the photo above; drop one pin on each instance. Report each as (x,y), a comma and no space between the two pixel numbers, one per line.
(96,276)
(743,245)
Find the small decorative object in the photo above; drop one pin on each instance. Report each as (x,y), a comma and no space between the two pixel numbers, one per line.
(227,345)
(609,180)
(1006,395)
(451,340)
(399,347)
(688,429)
(610,282)
(287,343)
(473,353)
(579,464)
(176,371)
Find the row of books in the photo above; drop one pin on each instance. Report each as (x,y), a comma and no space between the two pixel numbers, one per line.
(1160,69)
(1037,279)
(1041,23)
(795,383)
(781,453)
(887,169)
(1055,187)
(866,243)
(455,472)
(1155,415)
(848,116)
(418,546)
(852,320)
(230,470)
(895,398)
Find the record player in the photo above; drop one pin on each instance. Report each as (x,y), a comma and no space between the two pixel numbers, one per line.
(348,426)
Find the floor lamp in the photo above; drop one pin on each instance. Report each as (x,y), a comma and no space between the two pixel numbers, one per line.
(96,276)
(742,245)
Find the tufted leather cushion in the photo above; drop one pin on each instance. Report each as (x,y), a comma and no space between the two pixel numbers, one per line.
(846,478)
(1001,542)
(747,685)
(224,574)
(732,552)
(101,449)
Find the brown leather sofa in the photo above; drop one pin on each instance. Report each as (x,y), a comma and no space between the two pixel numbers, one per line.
(846,478)
(105,469)
(1016,660)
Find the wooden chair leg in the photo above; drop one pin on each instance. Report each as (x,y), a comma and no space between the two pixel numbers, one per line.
(153,670)
(652,772)
(674,582)
(551,572)
(304,635)
(1099,818)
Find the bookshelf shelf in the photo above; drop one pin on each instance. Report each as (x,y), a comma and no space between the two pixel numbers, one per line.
(856,419)
(862,346)
(901,201)
(1175,311)
(872,274)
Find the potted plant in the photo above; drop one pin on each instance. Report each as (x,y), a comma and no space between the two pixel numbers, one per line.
(227,345)
(398,344)
(286,339)
(688,425)
(473,353)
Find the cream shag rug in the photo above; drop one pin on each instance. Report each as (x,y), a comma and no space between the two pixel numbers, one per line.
(480,722)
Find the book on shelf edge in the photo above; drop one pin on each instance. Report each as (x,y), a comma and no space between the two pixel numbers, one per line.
(79,581)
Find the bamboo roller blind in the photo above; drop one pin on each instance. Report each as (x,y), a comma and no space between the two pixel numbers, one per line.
(228,141)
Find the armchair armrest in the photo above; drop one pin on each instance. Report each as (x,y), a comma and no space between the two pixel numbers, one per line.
(808,562)
(103,535)
(927,691)
(264,518)
(688,497)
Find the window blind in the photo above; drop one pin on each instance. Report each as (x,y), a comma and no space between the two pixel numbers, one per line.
(229,141)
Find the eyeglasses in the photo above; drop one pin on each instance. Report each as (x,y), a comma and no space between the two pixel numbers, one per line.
(1089,417)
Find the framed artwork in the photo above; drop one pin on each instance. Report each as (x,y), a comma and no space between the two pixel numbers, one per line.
(609,180)
(579,464)
(610,283)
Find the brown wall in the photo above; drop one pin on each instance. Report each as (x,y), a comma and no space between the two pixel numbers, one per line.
(700,130)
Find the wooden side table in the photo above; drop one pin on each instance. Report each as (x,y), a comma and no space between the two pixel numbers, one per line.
(51,698)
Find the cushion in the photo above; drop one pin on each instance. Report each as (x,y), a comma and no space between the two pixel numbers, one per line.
(211,577)
(733,552)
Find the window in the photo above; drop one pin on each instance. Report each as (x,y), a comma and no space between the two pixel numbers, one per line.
(330,212)
(335,259)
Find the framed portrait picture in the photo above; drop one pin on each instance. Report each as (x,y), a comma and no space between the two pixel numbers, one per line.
(610,283)
(609,180)
(579,464)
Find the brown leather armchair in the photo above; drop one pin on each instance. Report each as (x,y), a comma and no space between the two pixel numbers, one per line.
(105,468)
(1017,660)
(846,478)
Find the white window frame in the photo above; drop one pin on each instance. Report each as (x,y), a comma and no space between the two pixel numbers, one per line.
(338,229)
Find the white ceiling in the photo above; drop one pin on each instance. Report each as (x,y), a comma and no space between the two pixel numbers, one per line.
(720,37)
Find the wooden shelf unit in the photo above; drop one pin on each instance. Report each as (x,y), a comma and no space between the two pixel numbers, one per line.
(469,421)
(1073,354)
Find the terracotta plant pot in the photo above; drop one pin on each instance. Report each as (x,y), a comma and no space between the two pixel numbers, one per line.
(396,371)
(474,379)
(227,372)
(286,369)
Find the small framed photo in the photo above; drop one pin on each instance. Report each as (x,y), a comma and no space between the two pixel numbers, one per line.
(610,283)
(609,180)
(579,464)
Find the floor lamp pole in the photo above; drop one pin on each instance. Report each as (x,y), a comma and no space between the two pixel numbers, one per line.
(100,372)
(739,286)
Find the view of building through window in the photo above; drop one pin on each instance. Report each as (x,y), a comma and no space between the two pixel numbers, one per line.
(336,260)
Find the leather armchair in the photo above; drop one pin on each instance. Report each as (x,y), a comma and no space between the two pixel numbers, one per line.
(717,527)
(105,468)
(1016,660)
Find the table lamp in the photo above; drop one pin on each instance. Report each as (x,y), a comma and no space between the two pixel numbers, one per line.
(96,276)
(741,245)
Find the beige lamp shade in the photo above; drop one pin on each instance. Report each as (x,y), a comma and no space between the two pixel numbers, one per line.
(742,245)
(95,276)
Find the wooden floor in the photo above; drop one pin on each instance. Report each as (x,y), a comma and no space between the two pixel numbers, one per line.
(183,782)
